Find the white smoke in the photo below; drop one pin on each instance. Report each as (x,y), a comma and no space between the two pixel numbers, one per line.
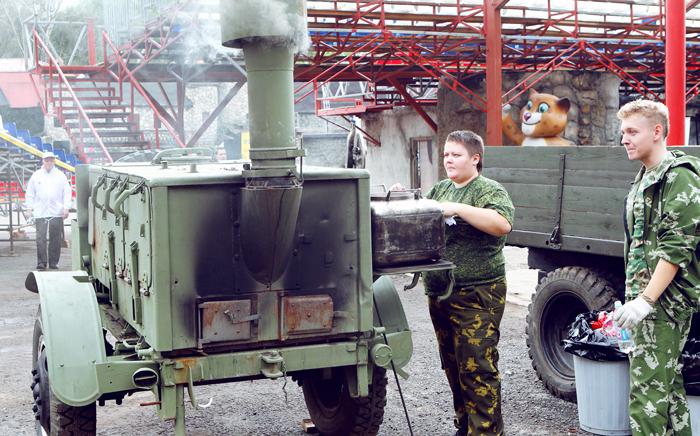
(274,17)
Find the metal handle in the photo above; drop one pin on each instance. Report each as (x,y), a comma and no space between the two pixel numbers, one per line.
(121,198)
(450,287)
(191,154)
(108,194)
(93,195)
(416,193)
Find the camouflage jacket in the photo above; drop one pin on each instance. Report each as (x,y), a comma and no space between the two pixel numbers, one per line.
(664,223)
(477,255)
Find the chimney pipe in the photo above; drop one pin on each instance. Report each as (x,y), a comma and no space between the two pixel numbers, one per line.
(268,31)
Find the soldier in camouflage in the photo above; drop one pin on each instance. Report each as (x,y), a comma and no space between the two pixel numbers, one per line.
(662,271)
(467,323)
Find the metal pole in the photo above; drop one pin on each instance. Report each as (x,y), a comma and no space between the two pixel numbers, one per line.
(492,25)
(181,91)
(92,50)
(179,410)
(9,208)
(675,70)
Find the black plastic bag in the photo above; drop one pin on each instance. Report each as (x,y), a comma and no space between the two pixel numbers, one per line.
(592,344)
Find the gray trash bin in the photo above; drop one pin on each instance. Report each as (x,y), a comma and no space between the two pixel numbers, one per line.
(694,406)
(602,393)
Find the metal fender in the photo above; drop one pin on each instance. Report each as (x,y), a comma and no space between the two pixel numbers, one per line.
(73,335)
(388,313)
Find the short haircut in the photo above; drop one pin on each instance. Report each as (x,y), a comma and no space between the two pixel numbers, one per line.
(651,110)
(471,141)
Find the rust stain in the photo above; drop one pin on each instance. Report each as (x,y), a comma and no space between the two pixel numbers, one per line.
(188,362)
(308,313)
(150,403)
(225,320)
(208,318)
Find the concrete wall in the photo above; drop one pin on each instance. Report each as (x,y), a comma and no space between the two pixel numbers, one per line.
(594,101)
(390,162)
(592,118)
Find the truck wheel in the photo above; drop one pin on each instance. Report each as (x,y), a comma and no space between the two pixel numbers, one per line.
(334,412)
(559,297)
(52,416)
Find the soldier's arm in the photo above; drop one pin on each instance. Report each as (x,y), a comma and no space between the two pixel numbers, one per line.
(678,231)
(660,279)
(494,218)
(679,225)
(487,220)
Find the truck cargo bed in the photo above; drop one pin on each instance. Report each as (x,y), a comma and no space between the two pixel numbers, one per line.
(566,198)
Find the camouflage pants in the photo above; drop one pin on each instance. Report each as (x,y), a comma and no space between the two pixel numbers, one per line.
(466,327)
(657,397)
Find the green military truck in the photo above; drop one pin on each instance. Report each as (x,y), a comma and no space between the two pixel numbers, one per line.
(569,214)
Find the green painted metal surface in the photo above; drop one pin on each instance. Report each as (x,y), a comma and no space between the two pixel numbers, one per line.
(271,112)
(165,248)
(388,313)
(72,334)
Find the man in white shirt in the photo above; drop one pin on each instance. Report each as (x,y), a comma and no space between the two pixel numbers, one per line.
(48,200)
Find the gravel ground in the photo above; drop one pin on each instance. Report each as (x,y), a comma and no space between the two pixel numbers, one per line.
(270,408)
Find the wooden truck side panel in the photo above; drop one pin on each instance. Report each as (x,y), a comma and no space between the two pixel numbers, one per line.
(569,199)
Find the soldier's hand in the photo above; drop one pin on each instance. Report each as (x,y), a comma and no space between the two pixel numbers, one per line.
(450,209)
(631,313)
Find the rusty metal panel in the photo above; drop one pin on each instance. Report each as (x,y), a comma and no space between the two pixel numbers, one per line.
(222,321)
(307,314)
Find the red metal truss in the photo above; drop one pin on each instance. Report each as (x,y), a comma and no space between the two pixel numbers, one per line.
(385,42)
(158,36)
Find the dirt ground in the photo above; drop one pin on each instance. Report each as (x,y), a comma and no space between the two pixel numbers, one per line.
(270,407)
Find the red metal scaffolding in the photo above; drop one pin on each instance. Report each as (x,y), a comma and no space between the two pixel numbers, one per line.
(398,46)
(397,52)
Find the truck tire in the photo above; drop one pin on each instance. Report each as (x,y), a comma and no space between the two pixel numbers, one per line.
(559,297)
(335,412)
(62,419)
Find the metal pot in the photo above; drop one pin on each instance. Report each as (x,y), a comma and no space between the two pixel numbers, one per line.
(406,231)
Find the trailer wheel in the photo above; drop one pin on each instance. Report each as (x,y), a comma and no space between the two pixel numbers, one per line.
(334,412)
(52,416)
(559,297)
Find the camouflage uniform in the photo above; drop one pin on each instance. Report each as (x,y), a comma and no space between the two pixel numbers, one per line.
(662,217)
(466,324)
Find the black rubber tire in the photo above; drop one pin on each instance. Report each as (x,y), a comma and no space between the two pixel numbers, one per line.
(335,413)
(559,297)
(63,420)
(72,421)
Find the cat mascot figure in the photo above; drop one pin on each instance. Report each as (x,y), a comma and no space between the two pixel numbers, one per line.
(542,121)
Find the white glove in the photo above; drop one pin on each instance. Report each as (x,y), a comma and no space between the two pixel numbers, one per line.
(631,313)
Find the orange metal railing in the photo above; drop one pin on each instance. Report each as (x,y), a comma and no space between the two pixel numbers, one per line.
(123,73)
(56,74)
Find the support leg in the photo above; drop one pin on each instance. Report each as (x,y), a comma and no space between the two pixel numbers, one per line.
(180,410)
